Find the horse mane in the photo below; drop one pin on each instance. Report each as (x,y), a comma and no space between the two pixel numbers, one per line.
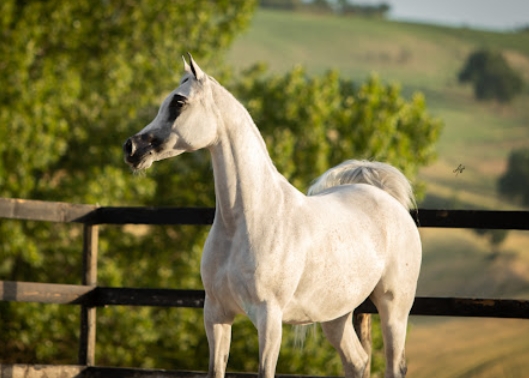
(381,175)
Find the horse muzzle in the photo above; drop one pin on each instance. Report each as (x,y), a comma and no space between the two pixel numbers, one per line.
(138,150)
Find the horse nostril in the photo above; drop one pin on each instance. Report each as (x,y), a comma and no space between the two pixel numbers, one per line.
(128,147)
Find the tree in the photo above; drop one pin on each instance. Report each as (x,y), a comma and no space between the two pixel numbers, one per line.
(491,76)
(494,237)
(79,78)
(514,183)
(281,4)
(380,10)
(338,120)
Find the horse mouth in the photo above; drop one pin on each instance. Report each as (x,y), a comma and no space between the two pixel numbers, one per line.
(138,162)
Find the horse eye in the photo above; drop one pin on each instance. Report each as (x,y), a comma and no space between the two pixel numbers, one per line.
(175,106)
(177,101)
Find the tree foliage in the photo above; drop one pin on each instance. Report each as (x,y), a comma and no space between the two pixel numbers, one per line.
(491,76)
(79,78)
(494,237)
(514,183)
(313,123)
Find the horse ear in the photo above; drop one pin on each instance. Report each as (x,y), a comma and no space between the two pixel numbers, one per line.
(195,69)
(186,66)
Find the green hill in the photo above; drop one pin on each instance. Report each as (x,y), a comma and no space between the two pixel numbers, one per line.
(420,57)
(477,135)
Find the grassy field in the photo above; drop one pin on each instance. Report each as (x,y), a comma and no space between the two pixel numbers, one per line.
(477,135)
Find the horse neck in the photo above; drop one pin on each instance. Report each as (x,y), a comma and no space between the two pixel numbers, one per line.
(246,180)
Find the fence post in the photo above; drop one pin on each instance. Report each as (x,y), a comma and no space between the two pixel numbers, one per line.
(87,339)
(362,325)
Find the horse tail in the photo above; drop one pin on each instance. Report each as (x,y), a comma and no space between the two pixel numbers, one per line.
(381,175)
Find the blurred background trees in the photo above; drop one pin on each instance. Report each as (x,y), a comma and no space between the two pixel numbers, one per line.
(77,79)
(341,7)
(491,76)
(514,183)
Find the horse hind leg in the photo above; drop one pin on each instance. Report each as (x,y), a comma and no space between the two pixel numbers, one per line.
(393,311)
(342,336)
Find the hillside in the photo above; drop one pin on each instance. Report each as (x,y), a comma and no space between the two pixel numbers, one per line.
(477,135)
(419,57)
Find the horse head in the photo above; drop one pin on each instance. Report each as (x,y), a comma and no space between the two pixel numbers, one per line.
(185,122)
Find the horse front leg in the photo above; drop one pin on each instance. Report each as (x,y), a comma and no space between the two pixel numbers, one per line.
(269,327)
(218,331)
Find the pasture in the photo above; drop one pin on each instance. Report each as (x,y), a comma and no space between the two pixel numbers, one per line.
(477,135)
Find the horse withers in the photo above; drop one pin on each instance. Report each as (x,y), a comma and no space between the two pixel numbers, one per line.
(278,255)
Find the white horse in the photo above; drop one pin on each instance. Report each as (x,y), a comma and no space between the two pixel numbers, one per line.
(278,255)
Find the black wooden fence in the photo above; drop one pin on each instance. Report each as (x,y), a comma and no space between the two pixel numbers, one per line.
(90,296)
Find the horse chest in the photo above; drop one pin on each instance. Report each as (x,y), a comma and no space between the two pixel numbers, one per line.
(248,267)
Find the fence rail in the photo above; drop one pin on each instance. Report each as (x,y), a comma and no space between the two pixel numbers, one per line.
(119,296)
(94,215)
(80,371)
(90,296)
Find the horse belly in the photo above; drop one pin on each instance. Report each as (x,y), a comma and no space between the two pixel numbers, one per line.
(338,277)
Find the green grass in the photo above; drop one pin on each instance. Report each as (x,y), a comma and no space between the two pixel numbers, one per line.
(478,135)
(418,54)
